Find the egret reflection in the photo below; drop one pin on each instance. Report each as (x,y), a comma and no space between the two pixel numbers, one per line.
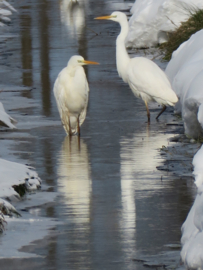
(74,178)
(140,182)
(73,16)
(139,154)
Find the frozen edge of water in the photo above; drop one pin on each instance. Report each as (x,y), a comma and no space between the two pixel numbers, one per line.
(20,232)
(24,231)
(165,260)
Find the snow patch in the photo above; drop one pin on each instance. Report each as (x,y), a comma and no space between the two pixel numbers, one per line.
(153,19)
(185,72)
(12,174)
(5,119)
(192,229)
(5,11)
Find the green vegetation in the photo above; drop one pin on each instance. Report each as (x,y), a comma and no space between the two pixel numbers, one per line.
(183,33)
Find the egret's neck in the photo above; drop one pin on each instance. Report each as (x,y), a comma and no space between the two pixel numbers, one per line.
(122,58)
(71,70)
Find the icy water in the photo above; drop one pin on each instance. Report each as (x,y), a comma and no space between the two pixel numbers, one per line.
(112,202)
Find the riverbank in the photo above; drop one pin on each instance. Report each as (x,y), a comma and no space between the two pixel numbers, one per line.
(17,173)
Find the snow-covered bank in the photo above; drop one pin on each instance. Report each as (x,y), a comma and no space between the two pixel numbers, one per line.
(14,174)
(6,209)
(192,229)
(5,119)
(153,19)
(185,72)
(6,10)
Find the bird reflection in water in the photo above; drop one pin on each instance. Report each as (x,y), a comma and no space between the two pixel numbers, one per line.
(140,181)
(73,16)
(74,179)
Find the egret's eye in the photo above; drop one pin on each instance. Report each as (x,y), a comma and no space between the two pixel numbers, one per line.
(79,61)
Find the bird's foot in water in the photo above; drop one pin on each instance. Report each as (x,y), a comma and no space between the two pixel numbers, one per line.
(163,110)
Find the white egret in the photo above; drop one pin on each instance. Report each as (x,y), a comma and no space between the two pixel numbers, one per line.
(145,78)
(71,91)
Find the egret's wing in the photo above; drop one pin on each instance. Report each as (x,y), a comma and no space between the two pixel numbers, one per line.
(59,93)
(84,111)
(147,80)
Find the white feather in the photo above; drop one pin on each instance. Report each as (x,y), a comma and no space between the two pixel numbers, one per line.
(71,91)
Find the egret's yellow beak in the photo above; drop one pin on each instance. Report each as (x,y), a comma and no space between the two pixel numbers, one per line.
(90,62)
(104,17)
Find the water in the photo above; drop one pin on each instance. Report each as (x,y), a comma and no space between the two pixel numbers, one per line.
(112,202)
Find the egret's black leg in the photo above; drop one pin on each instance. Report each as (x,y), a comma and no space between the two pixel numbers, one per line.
(163,109)
(78,126)
(79,143)
(69,126)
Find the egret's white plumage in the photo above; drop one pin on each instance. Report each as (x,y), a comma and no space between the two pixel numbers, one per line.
(144,77)
(71,91)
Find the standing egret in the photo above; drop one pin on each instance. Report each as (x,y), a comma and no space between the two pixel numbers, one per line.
(71,91)
(144,77)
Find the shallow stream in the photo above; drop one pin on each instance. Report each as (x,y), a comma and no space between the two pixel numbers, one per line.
(111,202)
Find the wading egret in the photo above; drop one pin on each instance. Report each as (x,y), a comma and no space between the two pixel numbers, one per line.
(144,77)
(71,91)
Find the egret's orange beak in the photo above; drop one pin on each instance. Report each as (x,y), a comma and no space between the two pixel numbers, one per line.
(103,18)
(90,62)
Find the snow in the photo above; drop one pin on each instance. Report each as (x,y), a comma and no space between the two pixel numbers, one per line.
(192,229)
(152,19)
(13,173)
(5,119)
(198,169)
(5,3)
(148,26)
(7,209)
(185,72)
(5,11)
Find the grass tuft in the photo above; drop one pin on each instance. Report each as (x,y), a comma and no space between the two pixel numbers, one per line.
(183,33)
